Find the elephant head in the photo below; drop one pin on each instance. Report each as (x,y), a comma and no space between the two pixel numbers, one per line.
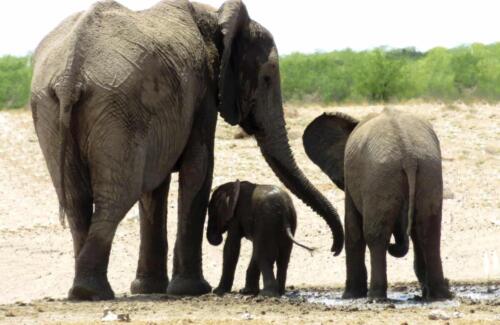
(324,141)
(249,94)
(221,211)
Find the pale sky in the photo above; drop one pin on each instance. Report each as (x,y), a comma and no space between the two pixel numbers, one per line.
(299,26)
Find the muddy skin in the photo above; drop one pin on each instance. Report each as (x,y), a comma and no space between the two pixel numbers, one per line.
(389,166)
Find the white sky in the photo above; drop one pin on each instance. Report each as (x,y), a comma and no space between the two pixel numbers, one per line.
(304,26)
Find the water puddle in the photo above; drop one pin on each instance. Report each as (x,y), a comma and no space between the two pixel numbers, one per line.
(402,297)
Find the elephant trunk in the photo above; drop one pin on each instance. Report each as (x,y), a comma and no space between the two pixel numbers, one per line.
(274,144)
(214,235)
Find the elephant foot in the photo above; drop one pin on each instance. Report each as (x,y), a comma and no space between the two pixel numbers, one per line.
(220,291)
(91,288)
(181,286)
(149,285)
(377,294)
(354,294)
(269,292)
(441,292)
(249,291)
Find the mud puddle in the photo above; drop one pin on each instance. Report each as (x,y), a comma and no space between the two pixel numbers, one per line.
(402,297)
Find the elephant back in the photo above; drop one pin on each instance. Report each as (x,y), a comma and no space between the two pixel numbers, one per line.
(109,46)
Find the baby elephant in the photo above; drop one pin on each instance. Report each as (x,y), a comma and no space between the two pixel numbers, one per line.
(263,214)
(389,166)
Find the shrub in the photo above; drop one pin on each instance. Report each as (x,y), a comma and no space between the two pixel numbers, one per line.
(15,79)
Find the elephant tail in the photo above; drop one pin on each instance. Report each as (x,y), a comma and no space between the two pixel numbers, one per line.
(289,233)
(68,94)
(403,226)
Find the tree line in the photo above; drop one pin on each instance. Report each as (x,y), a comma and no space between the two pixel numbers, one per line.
(469,72)
(380,75)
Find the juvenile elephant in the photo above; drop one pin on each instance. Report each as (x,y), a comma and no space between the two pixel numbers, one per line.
(263,214)
(389,166)
(122,99)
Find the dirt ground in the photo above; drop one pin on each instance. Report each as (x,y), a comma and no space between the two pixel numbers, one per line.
(36,258)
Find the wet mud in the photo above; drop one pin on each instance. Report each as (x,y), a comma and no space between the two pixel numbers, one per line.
(403,297)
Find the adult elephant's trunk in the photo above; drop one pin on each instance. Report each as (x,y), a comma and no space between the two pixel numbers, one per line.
(274,144)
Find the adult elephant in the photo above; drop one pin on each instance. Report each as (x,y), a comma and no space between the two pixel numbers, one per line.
(122,99)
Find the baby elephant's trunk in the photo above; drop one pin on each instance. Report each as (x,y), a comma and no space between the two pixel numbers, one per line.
(290,235)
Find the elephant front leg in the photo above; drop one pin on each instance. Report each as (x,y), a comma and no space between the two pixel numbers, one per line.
(252,278)
(231,255)
(195,180)
(152,266)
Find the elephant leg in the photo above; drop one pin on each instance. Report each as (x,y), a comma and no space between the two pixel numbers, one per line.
(231,255)
(378,279)
(252,278)
(429,239)
(419,263)
(266,254)
(356,277)
(195,180)
(378,230)
(151,274)
(91,281)
(282,266)
(79,213)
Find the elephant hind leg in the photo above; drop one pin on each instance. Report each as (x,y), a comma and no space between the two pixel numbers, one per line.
(91,281)
(356,275)
(79,213)
(266,252)
(378,231)
(419,262)
(428,263)
(151,276)
(282,265)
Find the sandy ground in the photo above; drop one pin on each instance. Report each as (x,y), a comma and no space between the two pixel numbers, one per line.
(36,258)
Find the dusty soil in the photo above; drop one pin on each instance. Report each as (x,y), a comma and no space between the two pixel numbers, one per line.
(36,253)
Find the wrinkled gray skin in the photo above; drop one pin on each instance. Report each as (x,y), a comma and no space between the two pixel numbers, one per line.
(389,166)
(122,99)
(264,214)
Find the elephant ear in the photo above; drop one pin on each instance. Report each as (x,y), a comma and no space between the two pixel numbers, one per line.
(229,200)
(232,18)
(324,142)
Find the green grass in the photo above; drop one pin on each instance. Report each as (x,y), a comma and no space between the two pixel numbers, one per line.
(467,73)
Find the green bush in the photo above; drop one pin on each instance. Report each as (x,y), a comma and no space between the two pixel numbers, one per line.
(381,75)
(15,79)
